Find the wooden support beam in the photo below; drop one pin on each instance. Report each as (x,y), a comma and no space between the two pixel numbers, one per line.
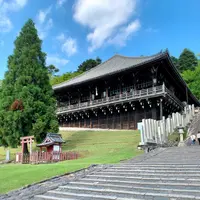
(120,120)
(161,109)
(90,122)
(128,119)
(107,120)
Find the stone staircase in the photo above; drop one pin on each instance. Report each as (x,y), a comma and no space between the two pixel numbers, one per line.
(171,173)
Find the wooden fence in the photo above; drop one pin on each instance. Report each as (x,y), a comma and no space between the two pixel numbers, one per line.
(45,157)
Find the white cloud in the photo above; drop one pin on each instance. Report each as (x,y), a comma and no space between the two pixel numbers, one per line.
(42,15)
(60,3)
(44,23)
(5,24)
(7,7)
(125,33)
(56,60)
(61,37)
(68,44)
(43,30)
(104,18)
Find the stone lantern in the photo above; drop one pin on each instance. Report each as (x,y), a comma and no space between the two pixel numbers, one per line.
(181,131)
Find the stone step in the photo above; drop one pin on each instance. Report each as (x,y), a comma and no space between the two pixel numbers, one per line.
(120,193)
(45,197)
(105,186)
(157,168)
(175,185)
(150,174)
(179,165)
(61,195)
(144,179)
(151,171)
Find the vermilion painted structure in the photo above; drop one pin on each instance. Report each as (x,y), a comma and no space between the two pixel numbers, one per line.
(52,143)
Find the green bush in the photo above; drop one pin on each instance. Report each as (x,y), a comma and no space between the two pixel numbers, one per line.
(175,136)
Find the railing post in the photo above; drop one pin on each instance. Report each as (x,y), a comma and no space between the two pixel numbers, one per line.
(163,87)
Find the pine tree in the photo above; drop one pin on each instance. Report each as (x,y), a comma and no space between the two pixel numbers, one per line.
(187,60)
(88,64)
(27,105)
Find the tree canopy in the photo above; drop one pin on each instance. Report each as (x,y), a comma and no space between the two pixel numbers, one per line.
(27,105)
(88,64)
(192,78)
(83,67)
(187,60)
(52,69)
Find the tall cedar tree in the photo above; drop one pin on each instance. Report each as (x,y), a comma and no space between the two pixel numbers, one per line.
(27,105)
(187,60)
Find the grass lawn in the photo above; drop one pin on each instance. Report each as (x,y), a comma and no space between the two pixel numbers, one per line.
(96,147)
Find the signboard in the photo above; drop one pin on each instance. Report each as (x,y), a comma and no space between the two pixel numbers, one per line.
(56,148)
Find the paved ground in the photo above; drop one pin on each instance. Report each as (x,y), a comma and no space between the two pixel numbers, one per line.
(172,173)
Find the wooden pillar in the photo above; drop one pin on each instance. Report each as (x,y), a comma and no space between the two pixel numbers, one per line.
(128,119)
(98,121)
(84,123)
(69,99)
(135,118)
(90,122)
(113,121)
(161,109)
(22,158)
(90,94)
(107,120)
(120,120)
(154,111)
(106,92)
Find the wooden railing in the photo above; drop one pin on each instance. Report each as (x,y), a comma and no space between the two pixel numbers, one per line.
(43,157)
(137,94)
(128,96)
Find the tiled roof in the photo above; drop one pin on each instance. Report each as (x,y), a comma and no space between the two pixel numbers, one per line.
(50,139)
(55,137)
(115,64)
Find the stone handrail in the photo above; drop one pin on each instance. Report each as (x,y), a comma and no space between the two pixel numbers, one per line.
(157,131)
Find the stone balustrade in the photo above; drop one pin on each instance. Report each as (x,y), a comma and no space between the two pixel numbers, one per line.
(157,131)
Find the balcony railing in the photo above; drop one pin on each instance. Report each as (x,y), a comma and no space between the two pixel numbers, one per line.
(124,97)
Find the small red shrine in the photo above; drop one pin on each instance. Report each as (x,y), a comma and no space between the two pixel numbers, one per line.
(52,143)
(53,153)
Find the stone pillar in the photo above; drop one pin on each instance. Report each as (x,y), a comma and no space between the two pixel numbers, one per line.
(7,155)
(144,131)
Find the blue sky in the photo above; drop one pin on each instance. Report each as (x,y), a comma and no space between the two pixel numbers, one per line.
(73,31)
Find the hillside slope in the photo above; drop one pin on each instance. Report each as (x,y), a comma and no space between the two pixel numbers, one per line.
(95,147)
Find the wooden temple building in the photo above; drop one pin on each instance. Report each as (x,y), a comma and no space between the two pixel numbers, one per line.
(121,92)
